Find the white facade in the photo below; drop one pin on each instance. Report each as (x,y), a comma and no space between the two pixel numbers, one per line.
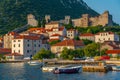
(106,36)
(27,47)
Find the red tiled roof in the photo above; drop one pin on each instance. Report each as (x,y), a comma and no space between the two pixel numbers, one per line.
(105,32)
(13,54)
(70,43)
(71,30)
(28,37)
(56,35)
(114,46)
(5,50)
(117,51)
(1,38)
(87,34)
(13,33)
(37,29)
(50,40)
(59,29)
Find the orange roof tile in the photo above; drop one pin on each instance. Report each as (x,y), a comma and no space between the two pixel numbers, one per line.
(5,50)
(13,54)
(50,40)
(105,32)
(71,30)
(70,43)
(56,35)
(28,37)
(87,34)
(117,51)
(13,33)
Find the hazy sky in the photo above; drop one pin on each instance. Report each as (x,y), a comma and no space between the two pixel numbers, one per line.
(113,6)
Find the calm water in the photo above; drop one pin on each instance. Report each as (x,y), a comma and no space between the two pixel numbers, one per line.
(21,71)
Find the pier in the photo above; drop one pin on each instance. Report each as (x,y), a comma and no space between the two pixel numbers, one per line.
(87,66)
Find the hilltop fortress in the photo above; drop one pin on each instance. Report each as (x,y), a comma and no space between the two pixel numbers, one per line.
(104,19)
(86,20)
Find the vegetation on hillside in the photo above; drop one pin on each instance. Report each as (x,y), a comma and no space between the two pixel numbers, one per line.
(13,13)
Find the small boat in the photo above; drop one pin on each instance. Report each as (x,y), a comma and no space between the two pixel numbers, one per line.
(67,70)
(36,63)
(48,69)
(116,68)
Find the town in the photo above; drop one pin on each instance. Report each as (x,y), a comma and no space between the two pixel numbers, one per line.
(62,39)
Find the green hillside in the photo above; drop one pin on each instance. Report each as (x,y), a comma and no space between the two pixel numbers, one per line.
(13,12)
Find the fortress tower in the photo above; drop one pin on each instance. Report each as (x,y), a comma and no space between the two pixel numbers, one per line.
(47,18)
(31,20)
(85,20)
(67,19)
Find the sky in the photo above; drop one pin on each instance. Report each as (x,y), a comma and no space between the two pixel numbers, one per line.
(113,6)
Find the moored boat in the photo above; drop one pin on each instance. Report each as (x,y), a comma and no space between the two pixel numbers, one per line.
(67,70)
(36,63)
(48,69)
(116,68)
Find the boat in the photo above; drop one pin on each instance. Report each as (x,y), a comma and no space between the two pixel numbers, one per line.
(48,69)
(67,70)
(116,68)
(36,63)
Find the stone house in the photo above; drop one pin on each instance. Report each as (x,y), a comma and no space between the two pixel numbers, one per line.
(106,36)
(72,33)
(70,44)
(88,36)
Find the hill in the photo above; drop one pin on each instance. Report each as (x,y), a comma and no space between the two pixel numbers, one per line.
(13,12)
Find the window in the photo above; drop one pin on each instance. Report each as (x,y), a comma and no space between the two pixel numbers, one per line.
(28,45)
(14,40)
(18,40)
(14,45)
(19,45)
(35,45)
(14,51)
(19,51)
(39,45)
(27,51)
(28,40)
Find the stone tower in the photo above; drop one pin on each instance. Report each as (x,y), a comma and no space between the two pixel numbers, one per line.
(67,19)
(47,18)
(85,20)
(31,20)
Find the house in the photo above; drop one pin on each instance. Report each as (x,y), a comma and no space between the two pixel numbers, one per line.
(56,36)
(88,36)
(113,53)
(27,45)
(109,46)
(52,24)
(72,33)
(70,44)
(5,51)
(13,56)
(106,36)
(7,39)
(61,31)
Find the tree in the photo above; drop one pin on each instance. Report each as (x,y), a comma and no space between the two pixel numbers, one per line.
(64,54)
(44,54)
(54,42)
(91,50)
(86,41)
(76,38)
